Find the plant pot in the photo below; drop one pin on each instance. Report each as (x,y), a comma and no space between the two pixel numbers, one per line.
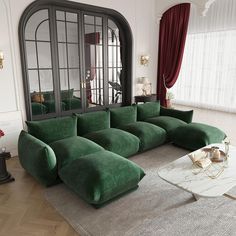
(168,103)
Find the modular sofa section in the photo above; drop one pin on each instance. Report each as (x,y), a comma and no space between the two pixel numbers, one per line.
(194,136)
(95,126)
(116,140)
(125,118)
(101,176)
(150,135)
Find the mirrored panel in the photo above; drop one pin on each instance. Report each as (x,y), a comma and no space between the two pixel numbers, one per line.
(37,26)
(39,61)
(94,75)
(114,64)
(68,53)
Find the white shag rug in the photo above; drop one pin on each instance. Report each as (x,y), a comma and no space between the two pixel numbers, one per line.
(155,208)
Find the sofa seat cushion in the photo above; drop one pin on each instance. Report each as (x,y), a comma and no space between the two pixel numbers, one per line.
(150,135)
(166,122)
(38,108)
(116,140)
(92,121)
(148,110)
(53,129)
(123,115)
(69,149)
(101,176)
(196,135)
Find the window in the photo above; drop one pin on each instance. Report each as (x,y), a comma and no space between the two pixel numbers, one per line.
(208,73)
(75,58)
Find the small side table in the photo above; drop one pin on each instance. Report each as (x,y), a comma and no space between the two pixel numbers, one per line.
(148,98)
(5,176)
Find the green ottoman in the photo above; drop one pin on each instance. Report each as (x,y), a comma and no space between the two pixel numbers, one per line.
(196,135)
(99,177)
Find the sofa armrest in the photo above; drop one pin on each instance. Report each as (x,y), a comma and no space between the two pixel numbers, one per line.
(185,116)
(38,159)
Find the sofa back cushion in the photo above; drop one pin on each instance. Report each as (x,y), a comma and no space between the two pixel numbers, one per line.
(93,121)
(123,115)
(185,116)
(54,129)
(148,110)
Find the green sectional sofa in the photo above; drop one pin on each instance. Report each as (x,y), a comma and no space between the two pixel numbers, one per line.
(89,151)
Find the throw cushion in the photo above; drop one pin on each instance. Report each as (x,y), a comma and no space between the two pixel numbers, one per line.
(116,140)
(37,97)
(123,115)
(54,129)
(196,135)
(150,135)
(101,176)
(93,121)
(148,110)
(69,149)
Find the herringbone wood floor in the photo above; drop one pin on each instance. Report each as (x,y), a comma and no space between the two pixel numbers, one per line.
(23,209)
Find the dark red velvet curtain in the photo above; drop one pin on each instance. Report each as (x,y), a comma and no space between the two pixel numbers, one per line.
(172,37)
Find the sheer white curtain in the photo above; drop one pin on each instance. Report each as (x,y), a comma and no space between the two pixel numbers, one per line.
(208,73)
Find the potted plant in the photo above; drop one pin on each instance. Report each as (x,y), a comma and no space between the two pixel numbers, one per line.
(169,97)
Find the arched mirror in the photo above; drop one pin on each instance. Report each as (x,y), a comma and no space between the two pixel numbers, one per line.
(75,58)
(39,63)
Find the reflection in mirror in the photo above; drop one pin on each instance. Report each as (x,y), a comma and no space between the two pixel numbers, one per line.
(44,55)
(114,63)
(68,53)
(94,79)
(35,21)
(38,57)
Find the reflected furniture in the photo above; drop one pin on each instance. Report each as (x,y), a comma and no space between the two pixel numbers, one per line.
(68,46)
(147,98)
(89,151)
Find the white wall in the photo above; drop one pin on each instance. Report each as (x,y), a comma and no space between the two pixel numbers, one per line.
(143,17)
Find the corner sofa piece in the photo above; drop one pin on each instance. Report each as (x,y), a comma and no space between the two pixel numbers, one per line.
(52,152)
(101,176)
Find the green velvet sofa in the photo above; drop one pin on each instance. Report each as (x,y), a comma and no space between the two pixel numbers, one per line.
(89,151)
